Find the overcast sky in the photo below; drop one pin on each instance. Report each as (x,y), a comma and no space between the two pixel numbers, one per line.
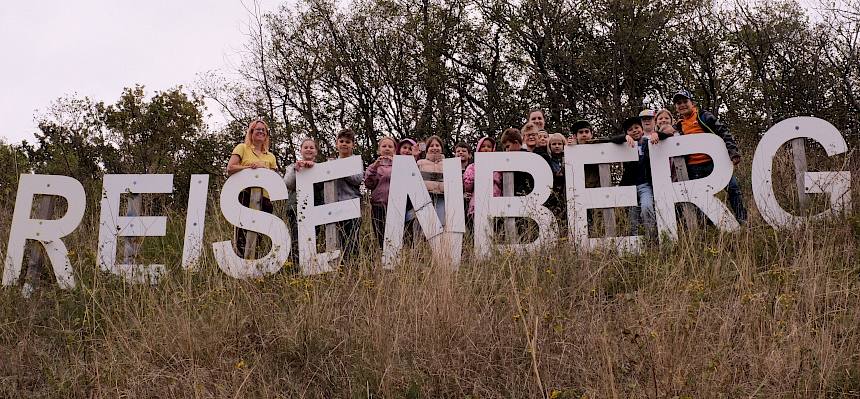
(95,48)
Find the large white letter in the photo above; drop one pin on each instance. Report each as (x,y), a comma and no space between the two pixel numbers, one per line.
(446,243)
(47,232)
(112,225)
(311,216)
(195,219)
(700,192)
(837,184)
(254,220)
(580,199)
(529,206)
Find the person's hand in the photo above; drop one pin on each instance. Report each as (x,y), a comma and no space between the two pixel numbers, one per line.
(302,164)
(655,138)
(736,159)
(256,165)
(668,129)
(630,141)
(571,140)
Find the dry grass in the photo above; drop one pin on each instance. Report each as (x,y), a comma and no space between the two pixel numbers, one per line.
(757,313)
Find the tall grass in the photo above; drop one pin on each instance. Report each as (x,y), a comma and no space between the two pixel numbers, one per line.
(757,313)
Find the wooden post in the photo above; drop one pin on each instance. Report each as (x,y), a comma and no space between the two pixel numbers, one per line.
(679,164)
(250,236)
(609,213)
(510,223)
(798,152)
(132,244)
(332,241)
(36,263)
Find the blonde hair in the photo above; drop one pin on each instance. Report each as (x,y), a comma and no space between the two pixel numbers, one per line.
(556,137)
(249,134)
(528,128)
(393,141)
(662,110)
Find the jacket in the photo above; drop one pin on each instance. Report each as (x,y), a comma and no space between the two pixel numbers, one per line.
(469,185)
(711,124)
(377,179)
(431,172)
(637,172)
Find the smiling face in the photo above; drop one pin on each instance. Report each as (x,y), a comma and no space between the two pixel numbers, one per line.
(684,106)
(405,149)
(487,146)
(434,147)
(309,150)
(663,119)
(259,133)
(530,139)
(537,118)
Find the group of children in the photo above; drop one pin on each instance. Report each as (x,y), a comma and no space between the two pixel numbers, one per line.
(637,131)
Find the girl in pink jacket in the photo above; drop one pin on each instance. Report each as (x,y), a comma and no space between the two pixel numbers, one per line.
(377,179)
(486,144)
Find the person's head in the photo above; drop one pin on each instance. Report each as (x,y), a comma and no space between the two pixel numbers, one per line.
(257,135)
(647,117)
(663,118)
(486,144)
(406,146)
(556,142)
(308,149)
(582,130)
(512,140)
(537,117)
(542,138)
(529,136)
(462,151)
(434,146)
(683,101)
(633,127)
(345,143)
(386,146)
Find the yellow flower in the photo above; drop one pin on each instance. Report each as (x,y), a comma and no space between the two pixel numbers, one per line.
(555,394)
(241,364)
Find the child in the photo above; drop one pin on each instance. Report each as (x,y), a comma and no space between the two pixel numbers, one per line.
(486,144)
(431,172)
(462,151)
(308,155)
(406,146)
(638,173)
(542,141)
(529,136)
(348,188)
(584,133)
(377,179)
(555,158)
(523,182)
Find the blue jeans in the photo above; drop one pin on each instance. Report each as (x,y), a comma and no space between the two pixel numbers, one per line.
(736,198)
(643,215)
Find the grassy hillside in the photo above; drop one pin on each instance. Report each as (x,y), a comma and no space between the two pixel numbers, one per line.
(758,313)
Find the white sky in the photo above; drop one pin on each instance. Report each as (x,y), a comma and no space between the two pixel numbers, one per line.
(95,48)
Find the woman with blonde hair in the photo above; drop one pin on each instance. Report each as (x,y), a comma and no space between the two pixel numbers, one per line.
(253,153)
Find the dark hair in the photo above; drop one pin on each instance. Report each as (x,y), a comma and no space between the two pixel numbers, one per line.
(462,144)
(512,135)
(346,133)
(435,138)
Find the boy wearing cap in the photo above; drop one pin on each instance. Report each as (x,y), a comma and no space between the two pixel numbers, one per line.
(638,173)
(695,121)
